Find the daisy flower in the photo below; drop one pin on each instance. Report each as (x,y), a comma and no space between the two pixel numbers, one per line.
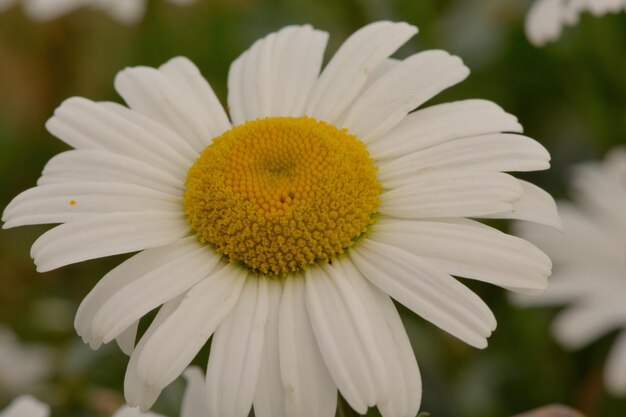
(284,231)
(193,404)
(125,11)
(546,18)
(590,267)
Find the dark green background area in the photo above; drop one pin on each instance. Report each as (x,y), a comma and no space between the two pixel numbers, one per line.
(569,95)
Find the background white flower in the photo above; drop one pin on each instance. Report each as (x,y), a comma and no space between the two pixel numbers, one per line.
(126,11)
(22,366)
(285,343)
(546,18)
(590,262)
(193,402)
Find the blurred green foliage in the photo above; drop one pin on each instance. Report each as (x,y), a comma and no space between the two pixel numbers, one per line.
(570,95)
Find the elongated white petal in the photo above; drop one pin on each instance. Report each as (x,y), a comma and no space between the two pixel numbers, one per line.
(194,399)
(137,391)
(175,343)
(587,320)
(309,388)
(166,96)
(426,290)
(138,266)
(535,205)
(186,77)
(345,337)
(346,73)
(269,397)
(275,76)
(106,235)
(442,123)
(452,194)
(615,368)
(61,203)
(403,385)
(154,287)
(487,153)
(103,166)
(469,251)
(236,350)
(26,406)
(599,191)
(126,340)
(404,88)
(84,124)
(406,391)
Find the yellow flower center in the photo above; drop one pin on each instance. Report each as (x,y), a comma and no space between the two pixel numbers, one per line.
(282,193)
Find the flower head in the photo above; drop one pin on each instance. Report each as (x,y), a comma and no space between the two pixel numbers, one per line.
(126,11)
(590,262)
(284,230)
(546,18)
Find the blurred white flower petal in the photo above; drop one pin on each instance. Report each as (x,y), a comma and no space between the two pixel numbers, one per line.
(125,11)
(22,366)
(546,18)
(26,406)
(590,262)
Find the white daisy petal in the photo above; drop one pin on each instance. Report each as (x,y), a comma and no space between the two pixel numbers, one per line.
(137,391)
(587,320)
(269,397)
(346,73)
(451,194)
(66,202)
(275,77)
(468,251)
(153,287)
(442,123)
(140,265)
(194,399)
(160,96)
(486,153)
(106,235)
(346,338)
(128,12)
(406,392)
(425,290)
(84,124)
(615,368)
(309,388)
(407,86)
(535,205)
(175,343)
(544,21)
(403,382)
(236,350)
(126,340)
(86,165)
(190,82)
(47,10)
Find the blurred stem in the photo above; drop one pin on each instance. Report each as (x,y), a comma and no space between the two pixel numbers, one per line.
(344,409)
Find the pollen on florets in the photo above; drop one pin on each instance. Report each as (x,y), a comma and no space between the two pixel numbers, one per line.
(281,193)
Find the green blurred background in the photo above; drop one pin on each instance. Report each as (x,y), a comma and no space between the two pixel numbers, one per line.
(570,95)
